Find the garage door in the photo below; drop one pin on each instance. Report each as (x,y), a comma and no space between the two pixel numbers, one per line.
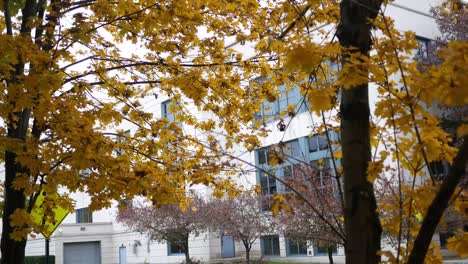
(82,253)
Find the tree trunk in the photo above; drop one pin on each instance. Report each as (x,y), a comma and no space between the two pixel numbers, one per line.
(438,205)
(362,225)
(12,251)
(248,247)
(18,122)
(330,254)
(186,251)
(247,256)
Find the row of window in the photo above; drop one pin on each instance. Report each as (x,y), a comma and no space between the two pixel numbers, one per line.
(271,110)
(293,149)
(296,154)
(270,247)
(293,98)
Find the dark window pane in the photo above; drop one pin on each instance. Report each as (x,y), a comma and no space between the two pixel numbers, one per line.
(322,142)
(262,156)
(272,184)
(323,250)
(292,149)
(302,248)
(423,44)
(297,247)
(83,215)
(270,246)
(176,247)
(268,183)
(276,247)
(443,239)
(264,183)
(313,144)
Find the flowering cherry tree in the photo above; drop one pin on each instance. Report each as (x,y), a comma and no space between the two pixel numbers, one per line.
(316,211)
(241,218)
(167,223)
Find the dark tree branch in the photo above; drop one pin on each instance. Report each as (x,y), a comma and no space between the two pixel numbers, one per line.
(7,13)
(439,204)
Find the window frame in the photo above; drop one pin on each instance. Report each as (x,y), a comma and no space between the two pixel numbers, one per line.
(290,243)
(314,139)
(319,252)
(271,238)
(423,44)
(271,111)
(79,216)
(170,244)
(165,112)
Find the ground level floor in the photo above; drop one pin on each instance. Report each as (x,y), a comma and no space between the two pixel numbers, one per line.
(109,243)
(103,243)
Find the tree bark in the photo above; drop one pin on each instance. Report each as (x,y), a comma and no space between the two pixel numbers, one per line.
(362,225)
(439,204)
(248,247)
(13,251)
(330,254)
(186,250)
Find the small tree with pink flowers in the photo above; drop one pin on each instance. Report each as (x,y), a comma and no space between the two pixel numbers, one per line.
(242,218)
(167,223)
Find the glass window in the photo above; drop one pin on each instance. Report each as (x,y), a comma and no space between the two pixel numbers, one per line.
(444,236)
(268,183)
(166,110)
(269,110)
(323,250)
(439,169)
(272,109)
(318,142)
(423,44)
(292,149)
(296,247)
(262,156)
(313,144)
(83,215)
(322,142)
(270,245)
(175,247)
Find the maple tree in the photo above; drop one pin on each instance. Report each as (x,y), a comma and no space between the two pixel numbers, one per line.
(241,218)
(167,223)
(68,77)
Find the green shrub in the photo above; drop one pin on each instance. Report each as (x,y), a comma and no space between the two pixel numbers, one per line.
(38,260)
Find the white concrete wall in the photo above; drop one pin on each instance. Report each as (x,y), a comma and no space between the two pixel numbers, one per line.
(89,232)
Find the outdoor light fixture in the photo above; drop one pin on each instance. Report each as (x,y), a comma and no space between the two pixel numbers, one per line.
(281,125)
